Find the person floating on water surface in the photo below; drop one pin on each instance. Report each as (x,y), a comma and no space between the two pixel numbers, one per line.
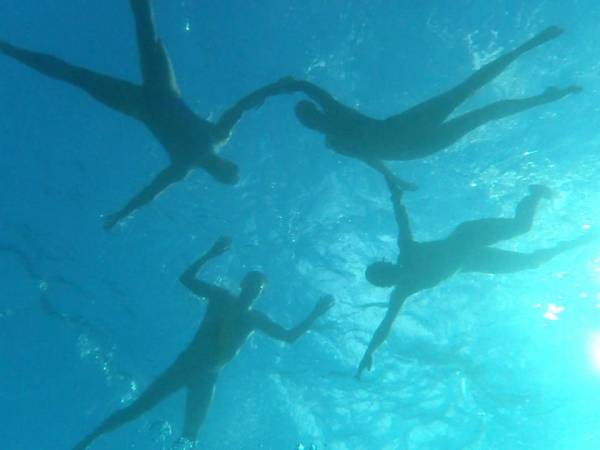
(423,129)
(189,140)
(424,265)
(227,324)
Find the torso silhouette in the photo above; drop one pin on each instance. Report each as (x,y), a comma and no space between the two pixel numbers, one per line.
(427,264)
(225,328)
(188,138)
(363,137)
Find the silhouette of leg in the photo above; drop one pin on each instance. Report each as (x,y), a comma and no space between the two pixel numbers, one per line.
(167,383)
(483,232)
(496,261)
(199,399)
(117,94)
(157,70)
(453,130)
(436,110)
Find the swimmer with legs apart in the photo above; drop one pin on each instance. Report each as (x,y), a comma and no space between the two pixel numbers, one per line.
(229,321)
(190,141)
(423,129)
(424,265)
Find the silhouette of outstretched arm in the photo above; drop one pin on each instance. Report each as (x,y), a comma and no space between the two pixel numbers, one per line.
(170,175)
(382,332)
(264,324)
(405,237)
(384,170)
(201,288)
(319,95)
(232,115)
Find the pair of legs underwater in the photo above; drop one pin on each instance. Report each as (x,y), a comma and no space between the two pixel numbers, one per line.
(199,386)
(423,129)
(475,237)
(120,95)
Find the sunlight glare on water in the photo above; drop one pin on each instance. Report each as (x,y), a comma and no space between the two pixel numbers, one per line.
(595,352)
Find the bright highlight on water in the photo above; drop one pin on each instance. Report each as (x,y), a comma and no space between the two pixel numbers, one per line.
(595,351)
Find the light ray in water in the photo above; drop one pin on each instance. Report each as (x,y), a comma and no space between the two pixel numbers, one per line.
(595,352)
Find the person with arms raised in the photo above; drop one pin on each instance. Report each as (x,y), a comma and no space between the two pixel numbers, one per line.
(229,321)
(424,265)
(190,141)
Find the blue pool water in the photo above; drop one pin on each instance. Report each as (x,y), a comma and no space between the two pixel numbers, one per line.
(89,318)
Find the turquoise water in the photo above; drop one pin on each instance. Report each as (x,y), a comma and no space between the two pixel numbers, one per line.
(89,318)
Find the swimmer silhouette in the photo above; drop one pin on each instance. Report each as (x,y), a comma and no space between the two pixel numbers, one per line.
(227,324)
(189,140)
(423,265)
(423,129)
